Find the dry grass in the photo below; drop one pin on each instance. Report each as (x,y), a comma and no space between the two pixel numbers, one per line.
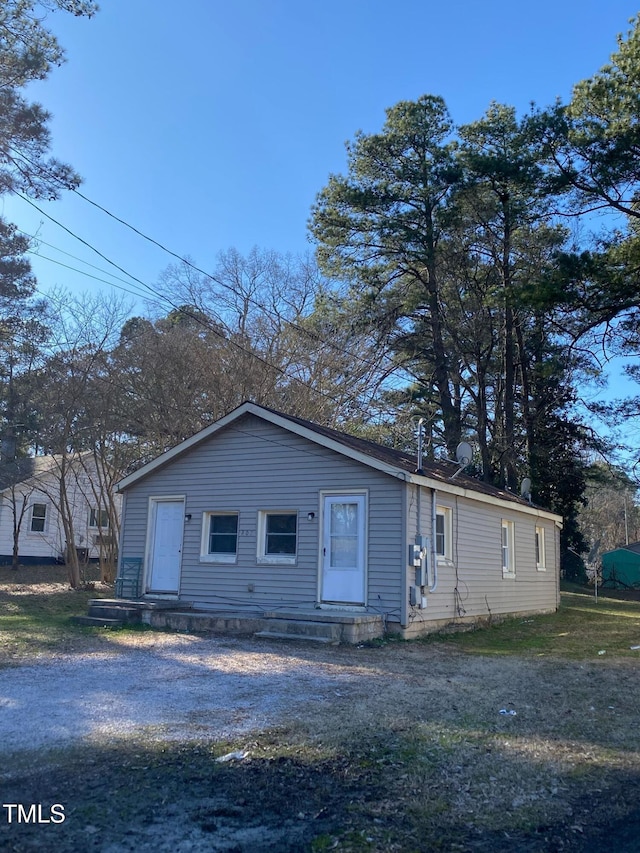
(35,613)
(409,752)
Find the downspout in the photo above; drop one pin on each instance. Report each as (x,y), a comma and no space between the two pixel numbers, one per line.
(434,555)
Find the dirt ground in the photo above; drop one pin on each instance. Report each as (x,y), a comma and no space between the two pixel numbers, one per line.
(393,747)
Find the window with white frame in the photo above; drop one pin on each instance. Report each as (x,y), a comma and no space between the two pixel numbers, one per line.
(277,536)
(38,518)
(219,537)
(508,549)
(98,518)
(443,533)
(541,564)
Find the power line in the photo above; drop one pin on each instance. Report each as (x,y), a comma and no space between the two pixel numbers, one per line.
(66,266)
(313,335)
(42,242)
(85,274)
(197,318)
(90,246)
(220,283)
(375,366)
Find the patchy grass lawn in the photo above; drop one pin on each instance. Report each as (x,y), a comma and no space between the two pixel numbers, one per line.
(582,627)
(36,604)
(420,759)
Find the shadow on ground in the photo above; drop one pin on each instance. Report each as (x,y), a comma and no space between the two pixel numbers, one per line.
(179,798)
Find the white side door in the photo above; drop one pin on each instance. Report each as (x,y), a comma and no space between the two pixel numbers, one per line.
(343,559)
(165,552)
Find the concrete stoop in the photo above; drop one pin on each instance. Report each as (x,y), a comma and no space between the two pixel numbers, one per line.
(110,613)
(319,626)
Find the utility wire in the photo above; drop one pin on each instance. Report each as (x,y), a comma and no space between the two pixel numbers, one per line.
(313,335)
(393,367)
(85,274)
(181,309)
(42,242)
(103,379)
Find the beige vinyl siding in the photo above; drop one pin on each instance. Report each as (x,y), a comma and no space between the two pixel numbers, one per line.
(253,465)
(472,584)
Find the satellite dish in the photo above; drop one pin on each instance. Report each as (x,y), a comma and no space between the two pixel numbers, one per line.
(464,453)
(525,488)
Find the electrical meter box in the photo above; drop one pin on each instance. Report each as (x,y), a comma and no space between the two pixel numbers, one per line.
(419,558)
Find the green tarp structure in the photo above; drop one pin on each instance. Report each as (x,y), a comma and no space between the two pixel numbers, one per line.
(621,568)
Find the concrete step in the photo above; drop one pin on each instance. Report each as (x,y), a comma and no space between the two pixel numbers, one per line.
(124,613)
(140,604)
(278,635)
(189,622)
(300,629)
(97,621)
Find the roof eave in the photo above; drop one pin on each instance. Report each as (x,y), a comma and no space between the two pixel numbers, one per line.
(331,444)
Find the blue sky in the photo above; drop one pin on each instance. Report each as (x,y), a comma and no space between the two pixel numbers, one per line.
(208,125)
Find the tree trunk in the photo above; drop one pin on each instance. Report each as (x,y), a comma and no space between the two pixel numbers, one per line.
(529,418)
(450,414)
(508,458)
(17,518)
(66,516)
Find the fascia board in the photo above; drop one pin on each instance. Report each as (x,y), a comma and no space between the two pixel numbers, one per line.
(271,417)
(400,473)
(472,495)
(179,449)
(330,444)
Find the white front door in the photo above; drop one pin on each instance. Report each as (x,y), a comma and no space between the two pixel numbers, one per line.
(343,549)
(165,552)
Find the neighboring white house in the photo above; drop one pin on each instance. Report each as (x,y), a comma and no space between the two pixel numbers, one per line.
(262,511)
(30,499)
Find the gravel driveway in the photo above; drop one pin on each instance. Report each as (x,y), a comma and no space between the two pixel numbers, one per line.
(326,735)
(177,688)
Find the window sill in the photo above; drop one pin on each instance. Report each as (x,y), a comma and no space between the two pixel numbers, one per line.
(507,574)
(276,561)
(227,559)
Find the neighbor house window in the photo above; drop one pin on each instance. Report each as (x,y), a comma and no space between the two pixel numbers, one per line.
(38,517)
(540,555)
(508,549)
(99,518)
(277,536)
(443,532)
(219,537)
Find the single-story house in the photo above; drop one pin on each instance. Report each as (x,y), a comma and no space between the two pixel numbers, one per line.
(264,512)
(30,509)
(621,567)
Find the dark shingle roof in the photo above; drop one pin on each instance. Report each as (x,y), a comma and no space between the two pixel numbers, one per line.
(439,470)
